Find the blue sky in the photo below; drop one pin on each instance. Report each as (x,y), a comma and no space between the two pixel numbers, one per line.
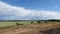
(35,4)
(29,9)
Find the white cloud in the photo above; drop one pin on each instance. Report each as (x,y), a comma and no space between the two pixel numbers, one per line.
(13,12)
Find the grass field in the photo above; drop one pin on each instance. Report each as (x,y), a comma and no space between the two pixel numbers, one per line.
(27,27)
(4,24)
(8,25)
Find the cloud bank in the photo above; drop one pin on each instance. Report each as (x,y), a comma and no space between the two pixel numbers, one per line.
(9,12)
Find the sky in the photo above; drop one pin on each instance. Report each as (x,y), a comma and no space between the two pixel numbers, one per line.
(29,9)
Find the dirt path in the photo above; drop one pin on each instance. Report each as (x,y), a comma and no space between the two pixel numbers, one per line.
(16,31)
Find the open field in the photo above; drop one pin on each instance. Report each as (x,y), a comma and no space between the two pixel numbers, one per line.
(3,24)
(6,24)
(28,28)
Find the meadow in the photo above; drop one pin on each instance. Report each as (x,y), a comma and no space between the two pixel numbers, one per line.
(4,24)
(7,27)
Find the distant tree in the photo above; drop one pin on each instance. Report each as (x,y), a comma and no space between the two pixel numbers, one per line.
(45,21)
(38,22)
(52,20)
(31,22)
(18,24)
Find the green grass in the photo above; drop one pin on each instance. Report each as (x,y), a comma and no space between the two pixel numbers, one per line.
(4,24)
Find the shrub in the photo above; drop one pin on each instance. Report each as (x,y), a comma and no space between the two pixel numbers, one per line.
(38,22)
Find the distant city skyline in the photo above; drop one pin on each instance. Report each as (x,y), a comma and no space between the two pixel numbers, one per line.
(29,9)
